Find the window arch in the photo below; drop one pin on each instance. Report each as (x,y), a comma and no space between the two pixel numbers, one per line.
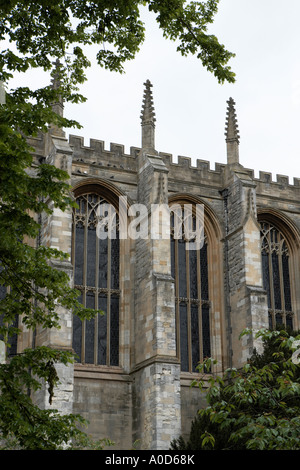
(189,268)
(276,274)
(96,276)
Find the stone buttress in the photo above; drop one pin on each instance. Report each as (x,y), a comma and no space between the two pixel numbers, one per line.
(56,232)
(246,298)
(156,370)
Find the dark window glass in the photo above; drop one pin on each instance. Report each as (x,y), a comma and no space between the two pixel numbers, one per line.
(278,319)
(79,254)
(204,272)
(289,321)
(205,332)
(266,276)
(173,257)
(193,274)
(195,336)
(189,267)
(96,274)
(103,262)
(115,253)
(114,331)
(270,321)
(91,256)
(276,275)
(276,281)
(102,330)
(90,331)
(286,282)
(183,337)
(182,271)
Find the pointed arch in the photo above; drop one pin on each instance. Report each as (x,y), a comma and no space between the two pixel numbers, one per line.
(96,259)
(280,250)
(199,291)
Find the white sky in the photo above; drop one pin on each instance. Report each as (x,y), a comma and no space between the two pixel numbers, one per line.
(190,104)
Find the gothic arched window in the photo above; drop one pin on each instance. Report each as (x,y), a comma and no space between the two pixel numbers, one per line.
(190,271)
(96,276)
(276,275)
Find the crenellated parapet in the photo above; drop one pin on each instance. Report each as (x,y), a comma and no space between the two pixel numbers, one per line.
(281,181)
(97,155)
(115,157)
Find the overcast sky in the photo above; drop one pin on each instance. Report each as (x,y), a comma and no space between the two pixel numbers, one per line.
(190,104)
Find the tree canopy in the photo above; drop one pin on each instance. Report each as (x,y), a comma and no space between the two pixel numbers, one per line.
(256,407)
(39,33)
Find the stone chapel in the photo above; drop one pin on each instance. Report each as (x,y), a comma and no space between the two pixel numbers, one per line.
(166,307)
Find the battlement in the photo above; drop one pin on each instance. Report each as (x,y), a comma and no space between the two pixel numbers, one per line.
(283,180)
(116,157)
(186,162)
(97,154)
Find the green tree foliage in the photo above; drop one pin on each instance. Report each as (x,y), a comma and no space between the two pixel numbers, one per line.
(37,34)
(256,407)
(24,425)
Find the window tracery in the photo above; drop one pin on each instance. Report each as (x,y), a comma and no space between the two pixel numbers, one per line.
(276,275)
(189,268)
(96,276)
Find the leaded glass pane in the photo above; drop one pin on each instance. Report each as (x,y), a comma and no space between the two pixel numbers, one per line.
(205,332)
(193,274)
(182,270)
(90,331)
(184,352)
(91,256)
(270,321)
(278,319)
(286,282)
(276,281)
(79,255)
(204,272)
(276,275)
(173,257)
(266,276)
(96,274)
(115,262)
(189,268)
(103,262)
(102,330)
(195,337)
(114,331)
(289,321)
